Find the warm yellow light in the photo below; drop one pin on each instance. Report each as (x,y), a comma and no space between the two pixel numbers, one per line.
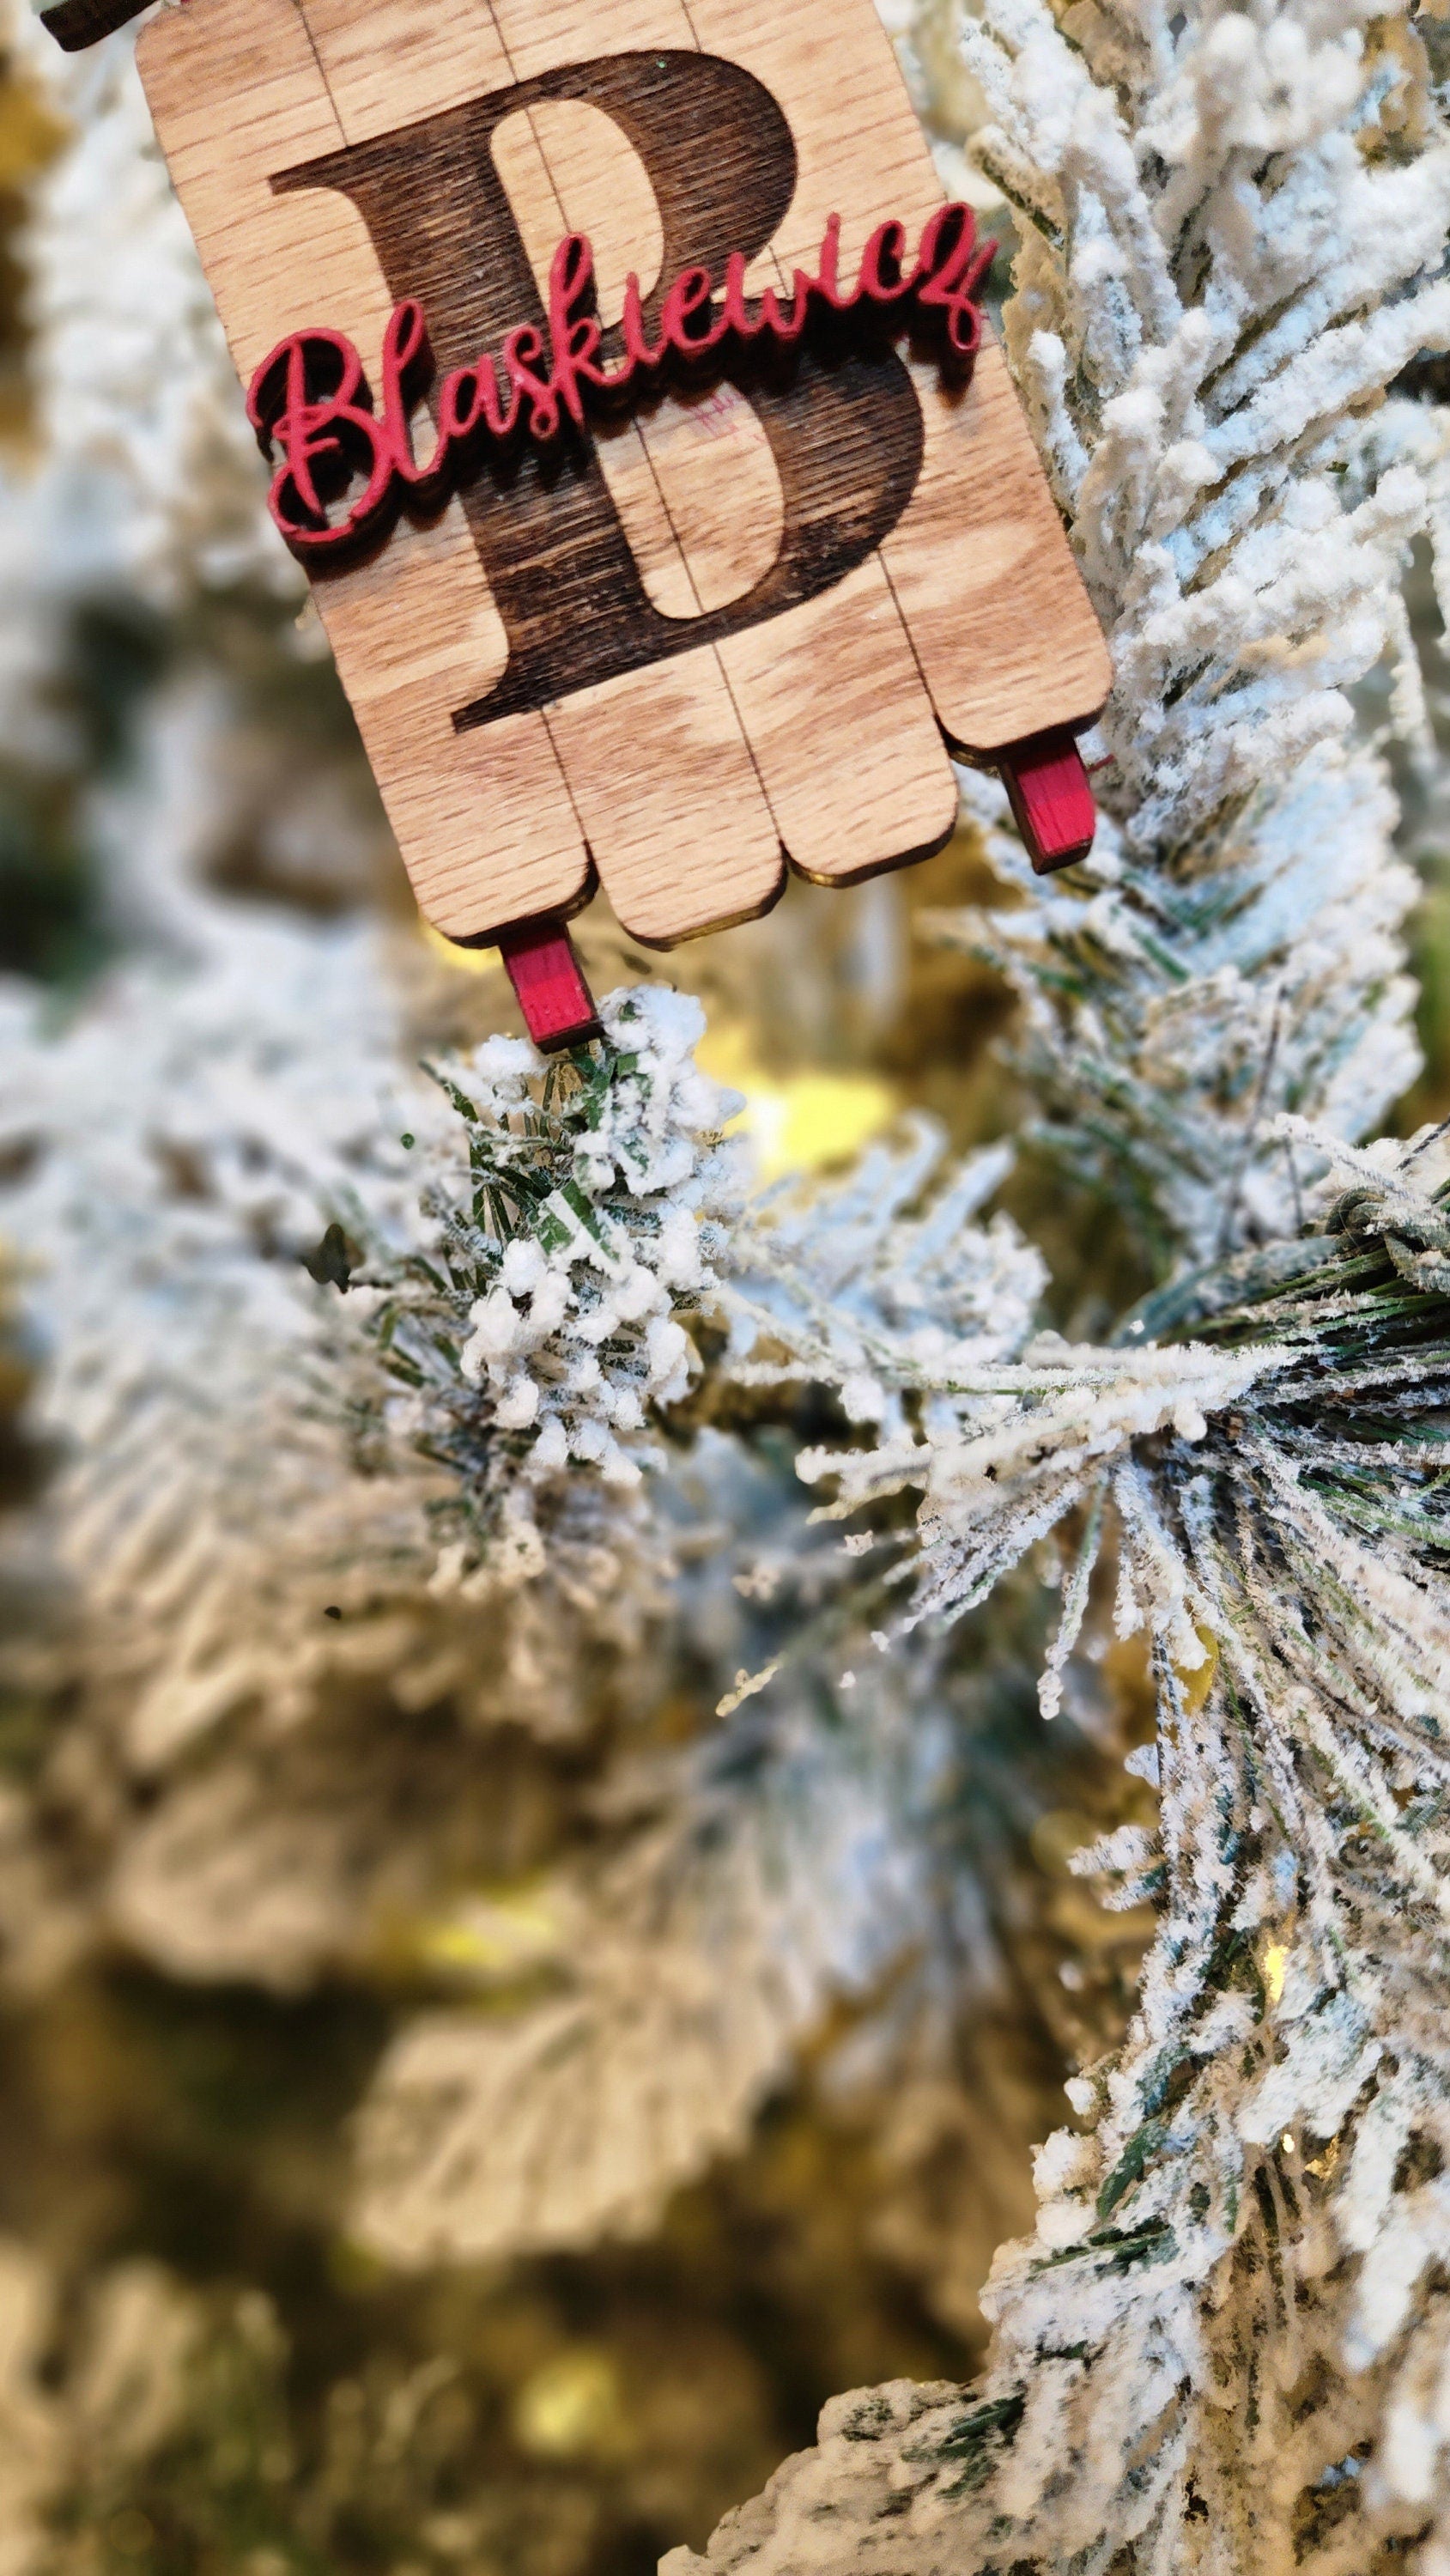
(797,1122)
(473,961)
(498,1934)
(571,2407)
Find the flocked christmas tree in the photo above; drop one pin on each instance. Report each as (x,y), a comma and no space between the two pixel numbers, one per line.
(660,1666)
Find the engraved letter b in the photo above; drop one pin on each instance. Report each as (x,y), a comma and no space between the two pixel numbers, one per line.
(846,435)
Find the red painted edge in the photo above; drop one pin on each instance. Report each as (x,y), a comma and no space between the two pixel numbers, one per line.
(1052,798)
(549,985)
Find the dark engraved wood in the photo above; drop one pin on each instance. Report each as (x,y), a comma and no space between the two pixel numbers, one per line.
(78,23)
(841,415)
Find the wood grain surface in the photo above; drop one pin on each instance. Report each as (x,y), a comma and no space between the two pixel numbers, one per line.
(728,630)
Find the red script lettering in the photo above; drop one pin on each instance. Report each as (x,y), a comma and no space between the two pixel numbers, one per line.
(310,400)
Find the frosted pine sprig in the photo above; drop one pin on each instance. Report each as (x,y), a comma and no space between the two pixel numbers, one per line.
(242,1712)
(1232,239)
(861,1284)
(1229,2318)
(537,1327)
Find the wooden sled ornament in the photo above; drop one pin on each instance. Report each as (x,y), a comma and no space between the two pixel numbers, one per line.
(724,605)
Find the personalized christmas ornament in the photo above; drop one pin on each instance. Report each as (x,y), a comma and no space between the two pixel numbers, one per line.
(667,505)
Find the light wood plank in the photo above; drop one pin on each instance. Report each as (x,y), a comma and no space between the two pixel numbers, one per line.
(589,181)
(567,167)
(540,35)
(483,819)
(856,773)
(669,799)
(984,576)
(393,61)
(715,471)
(695,482)
(860,151)
(981,569)
(854,770)
(236,93)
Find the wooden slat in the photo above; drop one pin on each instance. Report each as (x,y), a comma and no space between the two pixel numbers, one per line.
(488,834)
(984,575)
(856,775)
(982,572)
(855,772)
(695,483)
(860,152)
(589,182)
(540,35)
(484,816)
(568,168)
(715,471)
(236,93)
(669,799)
(397,60)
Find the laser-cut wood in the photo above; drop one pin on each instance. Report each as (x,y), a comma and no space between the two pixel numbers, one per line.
(732,626)
(1002,629)
(238,92)
(75,24)
(669,798)
(692,478)
(398,59)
